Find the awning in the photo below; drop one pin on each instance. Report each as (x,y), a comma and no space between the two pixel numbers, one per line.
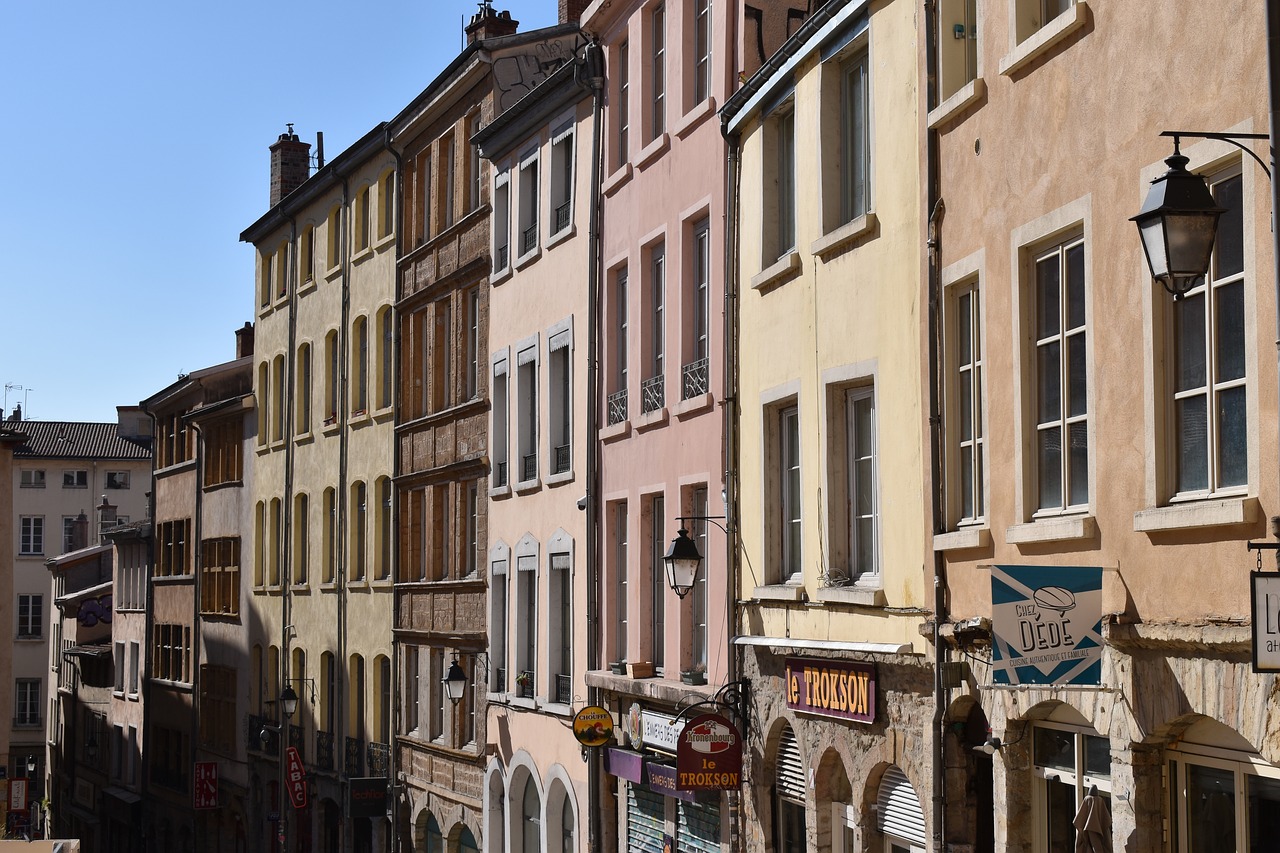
(96,650)
(122,795)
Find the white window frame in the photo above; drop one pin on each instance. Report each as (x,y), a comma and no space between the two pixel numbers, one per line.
(1078,778)
(75,478)
(502,254)
(560,399)
(500,438)
(32,478)
(528,206)
(862,574)
(528,409)
(29,617)
(700,66)
(562,178)
(31,535)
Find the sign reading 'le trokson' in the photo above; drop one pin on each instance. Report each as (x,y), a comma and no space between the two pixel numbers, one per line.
(832,688)
(709,755)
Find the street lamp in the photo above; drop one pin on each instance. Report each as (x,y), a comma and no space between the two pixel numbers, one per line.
(289,701)
(455,682)
(31,766)
(682,560)
(1178,223)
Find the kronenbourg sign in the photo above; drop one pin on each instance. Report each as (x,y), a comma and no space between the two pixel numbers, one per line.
(1046,625)
(709,755)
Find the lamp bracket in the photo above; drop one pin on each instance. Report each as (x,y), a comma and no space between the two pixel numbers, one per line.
(310,684)
(734,697)
(1229,138)
(714,519)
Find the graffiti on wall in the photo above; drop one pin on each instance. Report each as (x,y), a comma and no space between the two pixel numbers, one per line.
(516,74)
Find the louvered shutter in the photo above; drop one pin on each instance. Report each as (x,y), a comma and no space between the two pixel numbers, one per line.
(697,827)
(898,811)
(789,768)
(645,812)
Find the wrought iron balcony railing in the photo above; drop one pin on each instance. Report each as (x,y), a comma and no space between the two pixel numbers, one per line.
(500,474)
(353,764)
(500,257)
(564,689)
(324,750)
(529,239)
(652,394)
(379,759)
(562,217)
(524,684)
(617,405)
(562,459)
(528,467)
(694,382)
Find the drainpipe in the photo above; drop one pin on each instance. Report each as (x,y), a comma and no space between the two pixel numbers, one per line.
(592,67)
(340,540)
(936,210)
(286,525)
(733,179)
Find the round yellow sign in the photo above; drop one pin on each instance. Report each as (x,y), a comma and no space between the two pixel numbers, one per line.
(593,726)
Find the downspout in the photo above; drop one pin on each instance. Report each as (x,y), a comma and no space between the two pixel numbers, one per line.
(144,654)
(733,178)
(395,505)
(595,82)
(936,210)
(286,511)
(340,540)
(197,531)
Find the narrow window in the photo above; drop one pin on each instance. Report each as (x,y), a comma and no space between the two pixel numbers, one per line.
(659,73)
(560,404)
(657,583)
(502,222)
(694,379)
(500,423)
(617,401)
(360,359)
(701,50)
(624,106)
(968,377)
(621,588)
(301,538)
(855,145)
(785,139)
(359,530)
(789,505)
(387,204)
(303,413)
(861,419)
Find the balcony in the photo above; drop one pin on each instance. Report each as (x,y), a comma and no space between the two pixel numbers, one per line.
(693,379)
(529,239)
(524,684)
(564,689)
(652,394)
(617,406)
(324,750)
(379,755)
(298,740)
(500,679)
(528,467)
(562,217)
(353,763)
(562,457)
(500,258)
(500,474)
(253,736)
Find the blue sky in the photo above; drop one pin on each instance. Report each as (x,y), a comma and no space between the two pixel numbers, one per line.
(134,138)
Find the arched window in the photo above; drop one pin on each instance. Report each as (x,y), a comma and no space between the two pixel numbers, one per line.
(434,840)
(567,844)
(530,819)
(789,771)
(467,842)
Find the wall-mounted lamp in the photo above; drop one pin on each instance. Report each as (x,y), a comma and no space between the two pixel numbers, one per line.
(958,31)
(683,558)
(455,678)
(990,746)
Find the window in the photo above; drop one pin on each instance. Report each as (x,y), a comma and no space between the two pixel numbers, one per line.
(498,624)
(135,667)
(528,199)
(652,390)
(424,198)
(1060,384)
(224,453)
(658,73)
(1034,14)
(787,507)
(131,576)
(476,171)
(307,255)
(263,402)
(331,373)
(386,357)
(780,180)
(440,368)
(172,653)
(75,479)
(471,299)
(562,179)
(334,238)
(967,442)
(447,177)
(117,479)
(530,817)
(623,111)
(220,576)
(218,708)
(699,600)
(328,548)
(701,50)
(69,532)
(277,542)
(560,630)
(526,623)
(617,400)
(1066,763)
(435,699)
(1209,397)
(500,422)
(957,45)
(657,582)
(383,570)
(359,530)
(301,523)
(171,548)
(266,277)
(860,488)
(855,139)
(360,366)
(277,398)
(790,795)
(621,589)
(26,706)
(120,664)
(694,379)
(386,204)
(472,541)
(173,446)
(278,269)
(412,685)
(30,616)
(560,404)
(502,222)
(302,417)
(169,758)
(362,219)
(527,413)
(32,478)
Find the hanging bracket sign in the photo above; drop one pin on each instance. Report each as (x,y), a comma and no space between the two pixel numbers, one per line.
(709,755)
(593,726)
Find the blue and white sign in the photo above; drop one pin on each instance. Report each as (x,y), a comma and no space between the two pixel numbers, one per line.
(1046,625)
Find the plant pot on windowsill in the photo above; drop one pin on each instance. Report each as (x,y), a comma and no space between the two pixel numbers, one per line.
(693,676)
(618,667)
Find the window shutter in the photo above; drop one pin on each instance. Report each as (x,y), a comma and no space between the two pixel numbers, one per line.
(898,811)
(558,341)
(527,356)
(789,768)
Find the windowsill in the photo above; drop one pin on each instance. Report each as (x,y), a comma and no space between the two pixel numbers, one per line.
(498,698)
(1060,529)
(328,586)
(859,595)
(359,417)
(651,420)
(620,176)
(358,584)
(361,254)
(381,583)
(524,487)
(693,405)
(332,272)
(562,477)
(118,694)
(282,299)
(265,311)
(963,539)
(563,234)
(29,638)
(966,96)
(499,491)
(302,588)
(385,240)
(384,414)
(529,257)
(695,117)
(844,235)
(304,437)
(653,150)
(1045,38)
(32,486)
(499,276)
(785,267)
(779,592)
(554,708)
(175,467)
(613,432)
(521,702)
(331,428)
(307,286)
(1218,512)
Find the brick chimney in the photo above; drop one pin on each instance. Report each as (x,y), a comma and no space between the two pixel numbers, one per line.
(244,340)
(571,10)
(106,517)
(80,532)
(290,164)
(488,24)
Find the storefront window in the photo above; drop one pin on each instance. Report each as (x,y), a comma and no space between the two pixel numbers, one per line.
(1217,802)
(1070,764)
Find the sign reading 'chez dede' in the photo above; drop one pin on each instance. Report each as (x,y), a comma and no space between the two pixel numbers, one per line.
(832,688)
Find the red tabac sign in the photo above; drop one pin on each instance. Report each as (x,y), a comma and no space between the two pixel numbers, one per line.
(832,688)
(709,755)
(205,794)
(295,778)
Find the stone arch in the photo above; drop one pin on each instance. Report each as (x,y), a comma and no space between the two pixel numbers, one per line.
(831,788)
(427,833)
(968,776)
(872,836)
(495,806)
(561,797)
(767,808)
(522,774)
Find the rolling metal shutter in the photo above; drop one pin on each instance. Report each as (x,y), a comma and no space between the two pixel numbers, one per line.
(645,812)
(789,768)
(697,827)
(898,811)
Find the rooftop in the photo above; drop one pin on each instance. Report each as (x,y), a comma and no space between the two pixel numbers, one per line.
(75,440)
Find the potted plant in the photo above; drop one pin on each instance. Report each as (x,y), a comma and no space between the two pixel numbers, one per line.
(696,675)
(618,667)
